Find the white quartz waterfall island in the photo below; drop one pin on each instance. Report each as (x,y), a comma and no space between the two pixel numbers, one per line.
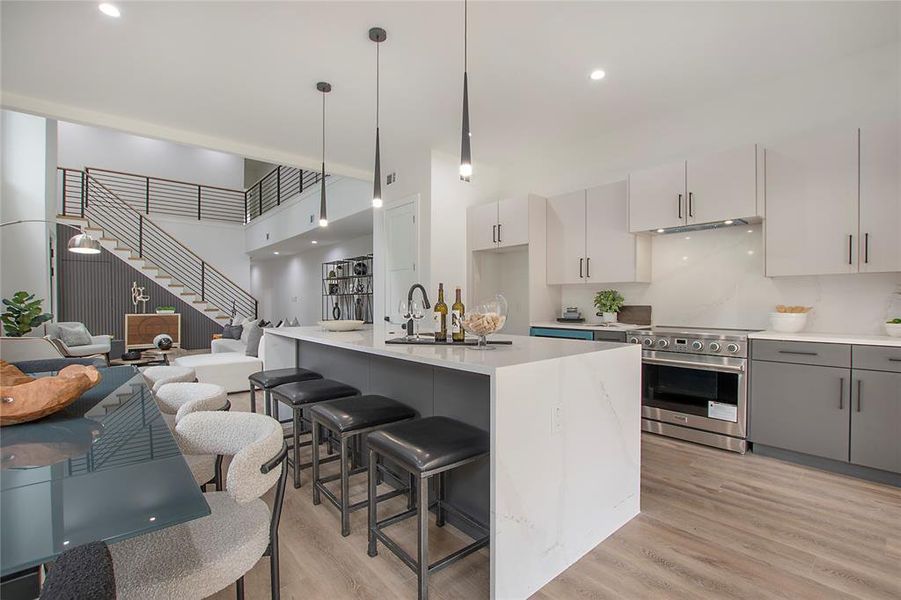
(564,420)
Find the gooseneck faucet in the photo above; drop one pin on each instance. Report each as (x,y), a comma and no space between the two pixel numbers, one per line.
(425,304)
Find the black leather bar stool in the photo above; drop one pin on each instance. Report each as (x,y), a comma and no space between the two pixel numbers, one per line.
(266,380)
(302,394)
(349,419)
(425,448)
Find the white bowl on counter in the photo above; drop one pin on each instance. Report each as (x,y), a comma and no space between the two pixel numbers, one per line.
(342,325)
(788,322)
(893,329)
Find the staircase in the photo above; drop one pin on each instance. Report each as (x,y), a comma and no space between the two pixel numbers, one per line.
(132,237)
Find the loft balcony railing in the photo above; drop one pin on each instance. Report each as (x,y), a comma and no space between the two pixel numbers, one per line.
(83,195)
(158,195)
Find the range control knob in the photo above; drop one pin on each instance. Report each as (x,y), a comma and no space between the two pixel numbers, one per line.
(662,343)
(732,348)
(714,346)
(647,341)
(634,340)
(697,346)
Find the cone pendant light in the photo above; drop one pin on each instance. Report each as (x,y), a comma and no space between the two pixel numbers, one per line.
(465,152)
(325,88)
(377,35)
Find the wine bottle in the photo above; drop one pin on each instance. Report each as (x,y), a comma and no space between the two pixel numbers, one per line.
(440,316)
(457,312)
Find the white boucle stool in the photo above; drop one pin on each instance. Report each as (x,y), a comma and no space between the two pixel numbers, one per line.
(178,399)
(156,377)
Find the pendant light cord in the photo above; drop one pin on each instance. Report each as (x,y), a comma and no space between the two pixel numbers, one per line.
(323,134)
(377,77)
(465,36)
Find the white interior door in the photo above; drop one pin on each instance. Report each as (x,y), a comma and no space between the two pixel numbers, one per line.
(401,254)
(657,198)
(880,199)
(811,204)
(723,185)
(566,238)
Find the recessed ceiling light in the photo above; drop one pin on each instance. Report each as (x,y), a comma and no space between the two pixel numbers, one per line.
(110,10)
(687,237)
(275,253)
(314,242)
(728,222)
(750,231)
(660,231)
(152,519)
(597,75)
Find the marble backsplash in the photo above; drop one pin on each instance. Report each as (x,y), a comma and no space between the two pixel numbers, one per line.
(715,278)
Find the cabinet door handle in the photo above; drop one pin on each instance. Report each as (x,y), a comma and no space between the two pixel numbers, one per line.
(691,209)
(866,247)
(859,381)
(580,267)
(850,244)
(499,240)
(588,267)
(494,234)
(894,360)
(841,393)
(679,205)
(798,352)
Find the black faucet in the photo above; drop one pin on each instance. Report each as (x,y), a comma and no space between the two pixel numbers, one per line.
(425,304)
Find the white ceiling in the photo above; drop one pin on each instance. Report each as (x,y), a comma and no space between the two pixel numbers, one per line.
(241,76)
(353,226)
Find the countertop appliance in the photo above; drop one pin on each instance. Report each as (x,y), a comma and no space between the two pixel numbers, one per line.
(694,384)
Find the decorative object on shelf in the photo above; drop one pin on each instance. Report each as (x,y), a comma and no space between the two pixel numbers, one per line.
(358,308)
(377,35)
(360,269)
(165,310)
(132,355)
(22,314)
(336,312)
(325,88)
(347,283)
(608,303)
(337,325)
(789,319)
(465,152)
(138,295)
(486,318)
(893,327)
(30,399)
(163,341)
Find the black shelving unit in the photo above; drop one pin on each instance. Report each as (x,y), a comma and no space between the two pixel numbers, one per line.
(347,289)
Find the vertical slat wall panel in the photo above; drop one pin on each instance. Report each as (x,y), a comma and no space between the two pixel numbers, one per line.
(96,290)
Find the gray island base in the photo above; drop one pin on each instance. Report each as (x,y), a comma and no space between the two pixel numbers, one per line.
(564,419)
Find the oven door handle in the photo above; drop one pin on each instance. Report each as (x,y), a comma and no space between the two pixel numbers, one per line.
(693,365)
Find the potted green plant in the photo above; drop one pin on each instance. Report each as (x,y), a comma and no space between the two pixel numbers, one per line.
(165,310)
(608,303)
(22,314)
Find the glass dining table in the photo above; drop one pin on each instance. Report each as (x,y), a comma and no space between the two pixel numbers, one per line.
(105,468)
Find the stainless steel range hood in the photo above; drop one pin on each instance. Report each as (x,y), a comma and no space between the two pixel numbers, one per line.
(703,226)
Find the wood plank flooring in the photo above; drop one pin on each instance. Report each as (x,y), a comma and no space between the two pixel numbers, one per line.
(713,525)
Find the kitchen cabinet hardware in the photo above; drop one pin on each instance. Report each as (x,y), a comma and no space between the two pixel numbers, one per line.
(841,393)
(859,384)
(850,247)
(499,240)
(694,365)
(679,205)
(894,360)
(494,233)
(580,267)
(866,248)
(691,210)
(588,267)
(798,352)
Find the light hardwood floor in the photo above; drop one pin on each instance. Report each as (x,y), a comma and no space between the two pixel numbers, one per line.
(713,525)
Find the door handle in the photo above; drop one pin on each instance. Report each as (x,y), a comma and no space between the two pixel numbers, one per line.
(499,240)
(859,381)
(494,234)
(588,267)
(679,205)
(580,267)
(691,210)
(841,393)
(850,244)
(866,247)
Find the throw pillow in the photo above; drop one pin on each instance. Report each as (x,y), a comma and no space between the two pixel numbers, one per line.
(254,335)
(232,332)
(74,334)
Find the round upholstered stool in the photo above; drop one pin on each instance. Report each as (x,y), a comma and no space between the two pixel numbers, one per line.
(348,419)
(425,448)
(266,380)
(156,377)
(182,398)
(300,395)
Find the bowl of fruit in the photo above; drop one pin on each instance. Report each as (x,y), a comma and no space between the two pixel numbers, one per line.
(789,319)
(893,327)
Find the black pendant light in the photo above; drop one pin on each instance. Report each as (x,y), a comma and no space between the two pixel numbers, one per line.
(377,35)
(465,152)
(325,88)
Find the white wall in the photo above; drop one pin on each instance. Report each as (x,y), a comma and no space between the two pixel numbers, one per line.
(83,146)
(291,286)
(28,172)
(715,278)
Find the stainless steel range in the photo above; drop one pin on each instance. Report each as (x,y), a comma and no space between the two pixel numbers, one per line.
(694,384)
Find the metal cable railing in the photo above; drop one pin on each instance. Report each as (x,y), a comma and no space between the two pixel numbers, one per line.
(85,196)
(277,186)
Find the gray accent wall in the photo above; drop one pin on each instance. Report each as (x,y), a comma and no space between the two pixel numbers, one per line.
(96,290)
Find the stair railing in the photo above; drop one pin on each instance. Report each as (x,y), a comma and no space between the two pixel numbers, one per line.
(279,184)
(84,196)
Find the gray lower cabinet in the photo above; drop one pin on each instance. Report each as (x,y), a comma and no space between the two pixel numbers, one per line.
(876,419)
(803,408)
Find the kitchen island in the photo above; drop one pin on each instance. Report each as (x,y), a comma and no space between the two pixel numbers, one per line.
(564,419)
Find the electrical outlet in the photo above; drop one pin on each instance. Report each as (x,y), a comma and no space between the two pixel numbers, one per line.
(392,177)
(556,419)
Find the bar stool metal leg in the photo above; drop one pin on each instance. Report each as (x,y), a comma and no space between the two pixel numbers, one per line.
(315,449)
(439,507)
(253,398)
(345,489)
(296,450)
(422,574)
(373,506)
(267,402)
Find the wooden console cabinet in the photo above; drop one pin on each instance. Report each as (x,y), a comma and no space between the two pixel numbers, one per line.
(140,329)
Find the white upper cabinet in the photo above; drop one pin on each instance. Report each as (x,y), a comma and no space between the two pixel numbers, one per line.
(613,254)
(481,226)
(657,198)
(880,199)
(512,222)
(811,225)
(566,238)
(722,186)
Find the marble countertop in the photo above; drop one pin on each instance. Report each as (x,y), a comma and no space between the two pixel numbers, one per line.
(589,326)
(524,350)
(828,338)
